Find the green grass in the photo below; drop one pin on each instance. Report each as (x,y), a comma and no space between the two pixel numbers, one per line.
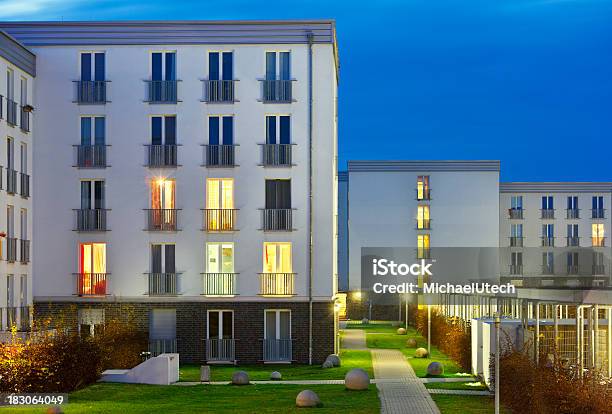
(261,372)
(465,404)
(456,386)
(378,327)
(145,399)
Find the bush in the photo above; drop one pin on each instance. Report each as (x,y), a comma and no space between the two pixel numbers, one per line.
(121,344)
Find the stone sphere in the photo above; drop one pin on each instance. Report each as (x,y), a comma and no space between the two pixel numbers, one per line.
(240,378)
(365,321)
(435,368)
(421,353)
(276,376)
(401,331)
(307,398)
(328,364)
(335,359)
(411,343)
(357,379)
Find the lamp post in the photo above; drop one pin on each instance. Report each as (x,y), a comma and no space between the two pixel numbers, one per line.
(497,349)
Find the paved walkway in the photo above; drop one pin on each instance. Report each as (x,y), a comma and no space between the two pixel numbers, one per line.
(354,339)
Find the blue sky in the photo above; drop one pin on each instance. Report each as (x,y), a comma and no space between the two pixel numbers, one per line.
(528,82)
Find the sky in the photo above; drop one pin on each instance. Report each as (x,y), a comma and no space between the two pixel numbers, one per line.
(527,82)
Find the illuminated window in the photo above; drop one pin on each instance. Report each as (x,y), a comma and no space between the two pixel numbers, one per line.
(219,258)
(162,193)
(92,269)
(219,203)
(423,187)
(597,233)
(277,258)
(423,251)
(422,217)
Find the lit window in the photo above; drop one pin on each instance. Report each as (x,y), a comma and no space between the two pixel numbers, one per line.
(219,203)
(597,234)
(423,246)
(422,217)
(219,258)
(277,258)
(423,187)
(162,193)
(92,269)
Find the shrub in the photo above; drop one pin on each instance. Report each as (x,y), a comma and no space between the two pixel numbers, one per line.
(120,345)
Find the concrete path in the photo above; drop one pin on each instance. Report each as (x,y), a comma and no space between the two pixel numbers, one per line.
(354,339)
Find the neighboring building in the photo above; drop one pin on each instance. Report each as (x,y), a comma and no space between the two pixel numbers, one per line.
(173,182)
(18,68)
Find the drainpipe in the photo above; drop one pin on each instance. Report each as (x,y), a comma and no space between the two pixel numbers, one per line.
(310,37)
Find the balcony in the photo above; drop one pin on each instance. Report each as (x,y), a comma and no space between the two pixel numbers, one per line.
(11,112)
(598,241)
(598,213)
(219,91)
(572,214)
(162,156)
(161,219)
(516,269)
(277,350)
(162,284)
(515,213)
(573,241)
(219,284)
(547,214)
(276,91)
(24,180)
(548,241)
(277,219)
(548,269)
(162,346)
(90,219)
(91,92)
(11,249)
(276,284)
(91,156)
(91,284)
(220,350)
(598,269)
(423,253)
(24,250)
(162,91)
(572,270)
(11,181)
(516,241)
(25,118)
(220,155)
(219,219)
(276,155)
(423,224)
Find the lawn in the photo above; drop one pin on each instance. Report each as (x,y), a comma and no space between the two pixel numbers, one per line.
(475,386)
(261,372)
(465,404)
(378,327)
(145,399)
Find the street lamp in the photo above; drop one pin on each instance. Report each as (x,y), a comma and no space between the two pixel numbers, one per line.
(497,349)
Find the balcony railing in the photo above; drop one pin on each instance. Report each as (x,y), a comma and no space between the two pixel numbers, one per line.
(277,219)
(11,249)
(423,224)
(277,350)
(24,180)
(162,346)
(90,219)
(516,241)
(276,284)
(162,284)
(162,219)
(219,91)
(25,119)
(598,213)
(11,181)
(219,284)
(162,91)
(220,350)
(11,316)
(598,269)
(548,241)
(573,241)
(220,219)
(11,112)
(91,156)
(598,241)
(24,251)
(423,253)
(547,213)
(276,91)
(572,213)
(548,269)
(91,92)
(91,284)
(572,269)
(24,318)
(515,213)
(516,269)
(162,156)
(220,155)
(276,155)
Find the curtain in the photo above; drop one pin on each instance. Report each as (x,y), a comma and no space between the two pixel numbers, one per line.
(168,194)
(156,189)
(99,258)
(227,195)
(212,258)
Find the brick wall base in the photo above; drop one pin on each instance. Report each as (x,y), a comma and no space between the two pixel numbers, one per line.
(191,325)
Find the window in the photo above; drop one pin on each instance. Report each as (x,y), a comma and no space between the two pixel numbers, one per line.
(93,66)
(23,152)
(162,331)
(220,324)
(423,246)
(220,130)
(220,66)
(219,193)
(278,66)
(163,66)
(24,91)
(572,235)
(597,233)
(516,202)
(92,194)
(10,153)
(277,335)
(10,84)
(516,230)
(23,290)
(548,231)
(91,321)
(516,263)
(548,263)
(219,258)
(422,217)
(23,221)
(10,221)
(162,193)
(547,203)
(163,258)
(598,207)
(423,187)
(93,130)
(10,291)
(572,203)
(277,258)
(598,263)
(163,130)
(572,263)
(278,194)
(92,269)
(278,129)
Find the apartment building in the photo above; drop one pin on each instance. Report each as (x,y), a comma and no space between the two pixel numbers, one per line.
(187,176)
(18,68)
(555,235)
